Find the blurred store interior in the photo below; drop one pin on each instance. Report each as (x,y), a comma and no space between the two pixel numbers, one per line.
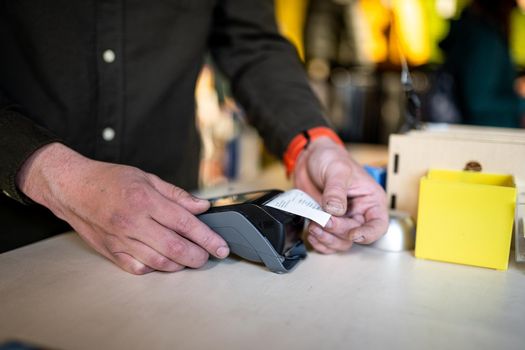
(353,52)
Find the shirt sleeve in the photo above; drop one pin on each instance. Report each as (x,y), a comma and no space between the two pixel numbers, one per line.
(19,138)
(267,77)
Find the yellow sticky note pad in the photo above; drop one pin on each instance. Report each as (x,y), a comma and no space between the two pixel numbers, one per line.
(466,217)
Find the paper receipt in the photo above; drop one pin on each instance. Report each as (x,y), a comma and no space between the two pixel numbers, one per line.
(299,203)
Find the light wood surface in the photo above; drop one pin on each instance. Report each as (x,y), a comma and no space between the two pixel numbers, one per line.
(59,293)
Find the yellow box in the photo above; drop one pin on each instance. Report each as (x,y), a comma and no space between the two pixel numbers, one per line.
(466,217)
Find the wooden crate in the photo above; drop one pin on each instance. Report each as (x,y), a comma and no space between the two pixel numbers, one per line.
(497,150)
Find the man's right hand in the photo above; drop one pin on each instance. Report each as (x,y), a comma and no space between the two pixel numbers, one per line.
(133,218)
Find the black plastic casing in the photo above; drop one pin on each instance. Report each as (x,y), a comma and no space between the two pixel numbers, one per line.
(257,232)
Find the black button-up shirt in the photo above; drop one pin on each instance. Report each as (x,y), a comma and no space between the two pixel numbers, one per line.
(115,79)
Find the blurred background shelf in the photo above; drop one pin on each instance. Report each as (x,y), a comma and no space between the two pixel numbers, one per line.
(352,51)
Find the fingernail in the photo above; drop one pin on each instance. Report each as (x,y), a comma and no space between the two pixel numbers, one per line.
(198,200)
(359,239)
(330,223)
(316,231)
(334,207)
(222,252)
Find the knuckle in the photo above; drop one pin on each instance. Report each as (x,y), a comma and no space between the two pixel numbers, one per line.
(152,177)
(127,263)
(184,223)
(112,244)
(177,248)
(336,225)
(327,239)
(177,192)
(120,220)
(137,269)
(160,262)
(136,195)
(207,241)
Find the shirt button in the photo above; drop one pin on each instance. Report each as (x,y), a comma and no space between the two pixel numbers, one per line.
(108,134)
(108,56)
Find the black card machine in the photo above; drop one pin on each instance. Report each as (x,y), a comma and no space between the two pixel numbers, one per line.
(257,232)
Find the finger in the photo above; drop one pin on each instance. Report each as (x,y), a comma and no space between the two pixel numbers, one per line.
(318,246)
(191,203)
(340,226)
(98,240)
(173,246)
(130,264)
(178,219)
(329,240)
(336,188)
(142,246)
(371,230)
(114,248)
(151,257)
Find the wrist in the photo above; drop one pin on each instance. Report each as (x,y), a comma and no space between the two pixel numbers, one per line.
(48,165)
(305,140)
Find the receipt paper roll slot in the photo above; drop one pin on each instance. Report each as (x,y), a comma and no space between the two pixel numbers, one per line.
(257,232)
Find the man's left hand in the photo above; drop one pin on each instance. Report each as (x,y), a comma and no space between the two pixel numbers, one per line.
(326,171)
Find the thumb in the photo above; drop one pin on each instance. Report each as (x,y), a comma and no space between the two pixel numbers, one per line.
(176,194)
(335,190)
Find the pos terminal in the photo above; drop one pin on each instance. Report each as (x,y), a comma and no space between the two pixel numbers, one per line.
(257,232)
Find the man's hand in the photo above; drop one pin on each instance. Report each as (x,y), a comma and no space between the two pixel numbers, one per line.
(326,171)
(133,218)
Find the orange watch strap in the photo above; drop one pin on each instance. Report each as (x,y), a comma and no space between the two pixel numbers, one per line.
(301,142)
